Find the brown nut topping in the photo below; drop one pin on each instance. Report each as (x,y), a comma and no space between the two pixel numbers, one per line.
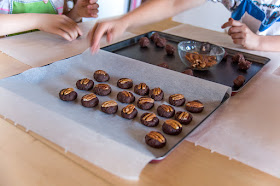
(149,117)
(146,100)
(127,94)
(177,97)
(89,97)
(194,104)
(124,80)
(128,109)
(103,86)
(110,103)
(100,72)
(142,86)
(183,116)
(167,108)
(84,81)
(156,91)
(157,136)
(66,91)
(200,60)
(173,123)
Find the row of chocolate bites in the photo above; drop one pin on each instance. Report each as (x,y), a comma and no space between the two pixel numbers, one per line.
(153,139)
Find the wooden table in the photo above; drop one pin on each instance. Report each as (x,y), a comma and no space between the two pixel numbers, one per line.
(28,159)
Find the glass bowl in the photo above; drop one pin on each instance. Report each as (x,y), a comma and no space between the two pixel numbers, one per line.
(200,55)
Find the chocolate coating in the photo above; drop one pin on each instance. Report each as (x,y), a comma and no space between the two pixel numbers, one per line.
(177,99)
(109,107)
(160,42)
(155,139)
(149,119)
(172,127)
(125,97)
(145,103)
(244,65)
(142,89)
(144,42)
(194,106)
(102,89)
(101,76)
(155,36)
(68,94)
(125,83)
(188,72)
(166,111)
(129,112)
(84,84)
(157,94)
(239,81)
(90,100)
(164,65)
(170,50)
(183,117)
(237,58)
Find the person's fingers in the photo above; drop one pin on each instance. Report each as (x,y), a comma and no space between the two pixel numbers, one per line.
(236,29)
(231,22)
(239,35)
(92,1)
(72,32)
(73,26)
(100,30)
(226,24)
(63,34)
(238,41)
(94,6)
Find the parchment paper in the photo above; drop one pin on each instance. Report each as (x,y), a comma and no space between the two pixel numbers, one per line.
(246,128)
(113,143)
(41,48)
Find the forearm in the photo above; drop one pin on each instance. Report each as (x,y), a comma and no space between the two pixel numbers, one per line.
(14,23)
(269,43)
(156,10)
(74,15)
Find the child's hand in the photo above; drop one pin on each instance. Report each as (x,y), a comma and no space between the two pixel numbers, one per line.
(59,25)
(85,8)
(242,35)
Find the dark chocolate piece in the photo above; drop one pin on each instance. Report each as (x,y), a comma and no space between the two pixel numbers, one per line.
(144,42)
(155,36)
(188,72)
(205,48)
(164,65)
(160,42)
(183,117)
(125,83)
(129,112)
(177,99)
(90,100)
(194,106)
(125,97)
(68,94)
(172,127)
(244,65)
(142,89)
(155,139)
(237,58)
(239,81)
(102,89)
(109,107)
(101,76)
(85,84)
(149,119)
(157,94)
(170,50)
(166,111)
(145,103)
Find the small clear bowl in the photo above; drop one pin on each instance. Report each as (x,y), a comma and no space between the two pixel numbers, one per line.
(191,46)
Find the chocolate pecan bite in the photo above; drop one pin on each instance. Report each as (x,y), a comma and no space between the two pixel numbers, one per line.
(84,84)
(125,83)
(239,81)
(109,107)
(163,65)
(172,127)
(188,72)
(144,42)
(149,119)
(169,49)
(237,58)
(244,65)
(157,94)
(68,94)
(102,89)
(155,139)
(129,112)
(194,106)
(90,100)
(155,36)
(125,97)
(183,117)
(177,99)
(160,42)
(145,103)
(166,111)
(142,89)
(101,76)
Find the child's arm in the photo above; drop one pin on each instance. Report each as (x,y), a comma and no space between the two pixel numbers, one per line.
(55,24)
(242,35)
(150,11)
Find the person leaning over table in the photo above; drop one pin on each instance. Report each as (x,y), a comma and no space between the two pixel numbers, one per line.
(19,16)
(253,24)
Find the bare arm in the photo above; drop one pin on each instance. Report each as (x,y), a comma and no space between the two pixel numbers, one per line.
(269,43)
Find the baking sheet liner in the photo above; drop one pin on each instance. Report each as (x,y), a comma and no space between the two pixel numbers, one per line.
(109,141)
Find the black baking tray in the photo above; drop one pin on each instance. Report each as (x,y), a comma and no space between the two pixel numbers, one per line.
(224,73)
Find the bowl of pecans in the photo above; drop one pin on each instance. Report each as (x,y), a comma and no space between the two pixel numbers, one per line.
(200,55)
